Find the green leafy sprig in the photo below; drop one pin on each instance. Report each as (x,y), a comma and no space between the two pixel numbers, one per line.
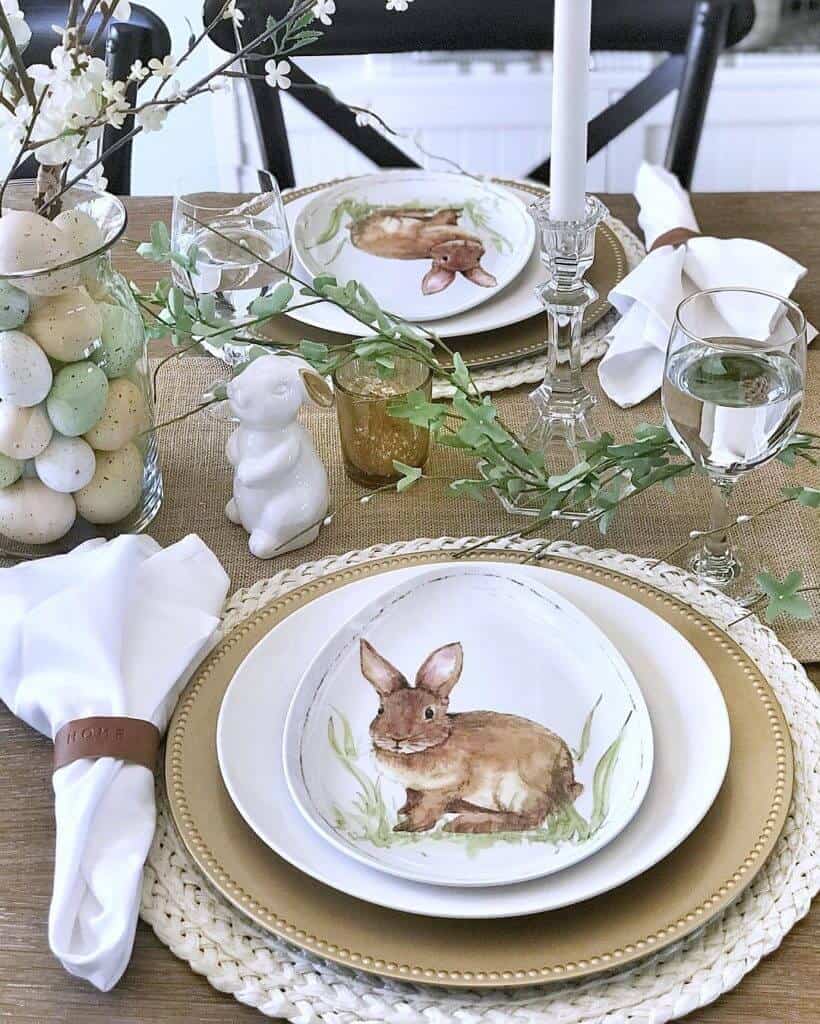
(595,490)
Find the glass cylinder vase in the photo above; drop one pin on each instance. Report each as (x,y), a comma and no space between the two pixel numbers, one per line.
(78,454)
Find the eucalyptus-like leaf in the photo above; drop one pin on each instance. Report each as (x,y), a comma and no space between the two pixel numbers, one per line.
(564,481)
(415,408)
(471,488)
(460,375)
(313,351)
(783,596)
(409,475)
(276,302)
(806,496)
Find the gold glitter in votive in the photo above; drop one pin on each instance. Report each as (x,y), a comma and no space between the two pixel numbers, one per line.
(371,438)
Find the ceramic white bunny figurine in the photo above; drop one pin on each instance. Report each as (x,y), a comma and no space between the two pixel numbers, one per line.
(280,490)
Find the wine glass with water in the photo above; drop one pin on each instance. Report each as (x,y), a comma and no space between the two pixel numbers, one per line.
(732,395)
(244,251)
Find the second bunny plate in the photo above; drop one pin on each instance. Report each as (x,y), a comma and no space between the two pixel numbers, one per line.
(468,728)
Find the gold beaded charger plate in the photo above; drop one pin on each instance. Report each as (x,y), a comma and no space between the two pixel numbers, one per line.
(676,897)
(495,333)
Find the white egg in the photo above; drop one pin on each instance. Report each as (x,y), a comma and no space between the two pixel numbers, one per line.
(67,464)
(14,306)
(25,373)
(86,237)
(115,489)
(31,242)
(125,415)
(81,230)
(24,431)
(31,513)
(66,325)
(10,470)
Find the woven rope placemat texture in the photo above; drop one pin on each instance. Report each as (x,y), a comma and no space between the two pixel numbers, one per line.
(281,981)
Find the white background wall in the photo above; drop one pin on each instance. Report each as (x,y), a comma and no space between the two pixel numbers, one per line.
(763,124)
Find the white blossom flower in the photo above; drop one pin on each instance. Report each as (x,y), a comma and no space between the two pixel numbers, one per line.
(82,163)
(162,68)
(116,105)
(151,119)
(364,119)
(232,13)
(139,72)
(323,10)
(20,31)
(397,5)
(121,8)
(218,85)
(276,74)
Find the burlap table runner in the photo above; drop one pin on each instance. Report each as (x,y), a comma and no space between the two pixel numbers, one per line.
(198,484)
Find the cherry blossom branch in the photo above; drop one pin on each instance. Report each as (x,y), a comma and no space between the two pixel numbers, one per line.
(26,83)
(197,87)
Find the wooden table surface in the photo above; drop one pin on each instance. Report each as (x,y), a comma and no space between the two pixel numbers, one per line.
(159,989)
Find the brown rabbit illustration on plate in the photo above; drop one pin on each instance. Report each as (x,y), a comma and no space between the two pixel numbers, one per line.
(495,772)
(400,233)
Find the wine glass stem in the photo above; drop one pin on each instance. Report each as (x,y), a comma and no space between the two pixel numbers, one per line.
(716,561)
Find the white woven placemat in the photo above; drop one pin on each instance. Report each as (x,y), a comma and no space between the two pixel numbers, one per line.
(530,370)
(281,981)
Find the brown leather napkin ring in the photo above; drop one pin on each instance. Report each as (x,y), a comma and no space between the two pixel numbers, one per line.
(674,236)
(130,739)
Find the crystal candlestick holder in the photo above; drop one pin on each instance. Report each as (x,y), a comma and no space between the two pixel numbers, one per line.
(561,404)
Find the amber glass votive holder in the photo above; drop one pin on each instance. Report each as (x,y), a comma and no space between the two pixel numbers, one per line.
(371,438)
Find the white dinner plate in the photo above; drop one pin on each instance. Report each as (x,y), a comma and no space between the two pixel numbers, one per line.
(690,727)
(427,244)
(520,708)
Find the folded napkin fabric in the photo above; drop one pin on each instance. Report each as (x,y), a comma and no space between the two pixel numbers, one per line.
(112,629)
(632,368)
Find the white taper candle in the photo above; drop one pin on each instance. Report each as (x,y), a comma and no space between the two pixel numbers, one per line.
(570,102)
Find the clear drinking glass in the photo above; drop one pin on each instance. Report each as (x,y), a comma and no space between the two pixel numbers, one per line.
(732,395)
(232,232)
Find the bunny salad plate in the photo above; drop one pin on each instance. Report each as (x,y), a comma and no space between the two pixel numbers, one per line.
(427,245)
(468,728)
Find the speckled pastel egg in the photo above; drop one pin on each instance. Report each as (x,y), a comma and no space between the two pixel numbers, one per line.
(65,326)
(121,340)
(77,398)
(14,306)
(81,230)
(31,513)
(115,488)
(125,415)
(24,431)
(10,470)
(31,242)
(25,373)
(67,464)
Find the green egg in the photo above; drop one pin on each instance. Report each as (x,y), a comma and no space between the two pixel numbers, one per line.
(14,307)
(121,340)
(77,398)
(10,471)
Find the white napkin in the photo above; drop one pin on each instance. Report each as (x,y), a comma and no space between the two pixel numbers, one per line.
(632,368)
(114,628)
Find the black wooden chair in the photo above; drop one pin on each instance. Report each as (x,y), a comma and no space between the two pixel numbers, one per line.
(692,32)
(142,37)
